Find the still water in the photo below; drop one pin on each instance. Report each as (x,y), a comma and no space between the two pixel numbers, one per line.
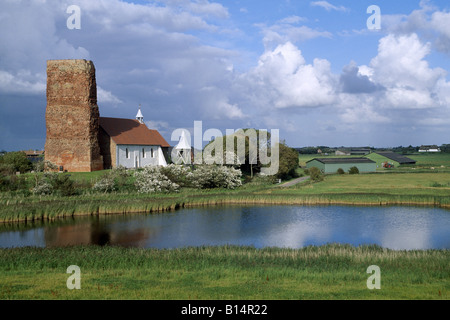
(259,226)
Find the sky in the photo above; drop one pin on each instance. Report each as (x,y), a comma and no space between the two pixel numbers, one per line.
(329,73)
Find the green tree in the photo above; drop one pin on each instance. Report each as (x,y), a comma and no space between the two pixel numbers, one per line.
(445,148)
(288,162)
(17,161)
(250,139)
(315,174)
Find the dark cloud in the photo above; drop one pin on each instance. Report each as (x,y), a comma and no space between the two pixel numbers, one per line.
(352,81)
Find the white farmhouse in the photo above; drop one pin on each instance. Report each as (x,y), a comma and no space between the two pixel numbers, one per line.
(129,143)
(432,148)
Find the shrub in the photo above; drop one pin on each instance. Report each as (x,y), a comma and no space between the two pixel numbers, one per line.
(176,173)
(60,183)
(340,171)
(353,170)
(18,161)
(113,180)
(315,174)
(44,165)
(120,175)
(42,188)
(151,179)
(7,169)
(105,184)
(214,176)
(13,183)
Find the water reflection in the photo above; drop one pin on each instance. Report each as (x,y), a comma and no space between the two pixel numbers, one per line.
(260,226)
(98,231)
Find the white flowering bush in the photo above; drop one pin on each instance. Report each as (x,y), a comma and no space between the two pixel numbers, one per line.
(228,158)
(152,179)
(176,173)
(115,179)
(213,176)
(105,184)
(42,188)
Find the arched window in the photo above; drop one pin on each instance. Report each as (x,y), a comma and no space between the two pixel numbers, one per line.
(143,152)
(127,154)
(153,155)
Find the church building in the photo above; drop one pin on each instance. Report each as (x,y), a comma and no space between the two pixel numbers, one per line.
(129,143)
(78,139)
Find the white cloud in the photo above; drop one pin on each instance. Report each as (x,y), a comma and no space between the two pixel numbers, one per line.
(106,97)
(23,82)
(283,79)
(400,62)
(403,98)
(327,6)
(410,86)
(286,30)
(430,23)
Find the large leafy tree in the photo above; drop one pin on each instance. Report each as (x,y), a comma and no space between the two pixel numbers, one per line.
(288,162)
(247,145)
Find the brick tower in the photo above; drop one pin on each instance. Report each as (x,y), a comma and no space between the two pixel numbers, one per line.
(72,116)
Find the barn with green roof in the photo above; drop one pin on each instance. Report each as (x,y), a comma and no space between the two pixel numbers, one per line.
(389,157)
(331,165)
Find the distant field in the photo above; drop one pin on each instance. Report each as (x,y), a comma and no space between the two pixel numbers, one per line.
(430,159)
(410,184)
(436,161)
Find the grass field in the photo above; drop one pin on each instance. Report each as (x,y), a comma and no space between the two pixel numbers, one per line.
(326,272)
(432,189)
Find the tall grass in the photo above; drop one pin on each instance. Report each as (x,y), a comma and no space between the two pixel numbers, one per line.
(226,272)
(373,189)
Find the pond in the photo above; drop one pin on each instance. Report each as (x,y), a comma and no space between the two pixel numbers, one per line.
(259,226)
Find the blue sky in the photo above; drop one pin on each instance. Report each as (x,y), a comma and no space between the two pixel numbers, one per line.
(311,69)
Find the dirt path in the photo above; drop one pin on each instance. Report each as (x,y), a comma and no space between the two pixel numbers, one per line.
(293,182)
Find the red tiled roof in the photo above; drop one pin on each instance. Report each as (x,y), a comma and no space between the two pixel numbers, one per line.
(129,131)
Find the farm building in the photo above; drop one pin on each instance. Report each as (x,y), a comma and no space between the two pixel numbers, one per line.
(352,151)
(433,148)
(331,165)
(393,158)
(34,155)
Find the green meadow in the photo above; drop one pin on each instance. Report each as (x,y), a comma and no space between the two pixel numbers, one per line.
(226,272)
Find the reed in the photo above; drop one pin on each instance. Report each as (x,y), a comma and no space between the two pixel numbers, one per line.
(418,189)
(331,271)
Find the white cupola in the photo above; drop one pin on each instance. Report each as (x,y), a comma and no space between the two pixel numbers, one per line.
(139,116)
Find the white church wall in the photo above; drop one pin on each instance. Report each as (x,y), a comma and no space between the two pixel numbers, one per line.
(132,156)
